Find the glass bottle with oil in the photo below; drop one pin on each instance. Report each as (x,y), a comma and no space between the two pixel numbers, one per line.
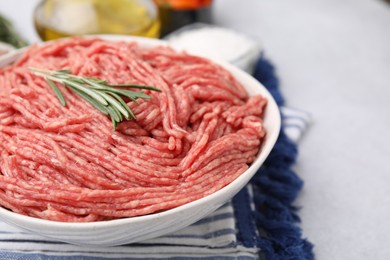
(58,18)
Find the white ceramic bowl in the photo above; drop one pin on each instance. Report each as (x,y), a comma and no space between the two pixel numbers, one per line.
(5,48)
(242,52)
(135,229)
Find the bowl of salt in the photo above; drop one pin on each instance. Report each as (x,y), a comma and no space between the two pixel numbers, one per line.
(218,43)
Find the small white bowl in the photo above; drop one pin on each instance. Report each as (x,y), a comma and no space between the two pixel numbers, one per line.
(5,48)
(136,229)
(218,43)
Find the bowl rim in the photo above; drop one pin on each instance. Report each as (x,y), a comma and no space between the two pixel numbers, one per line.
(260,158)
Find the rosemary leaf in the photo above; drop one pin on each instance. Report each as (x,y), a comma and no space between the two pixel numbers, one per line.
(94,94)
(120,100)
(96,84)
(133,99)
(92,101)
(57,91)
(64,71)
(114,113)
(133,94)
(135,86)
(99,81)
(119,107)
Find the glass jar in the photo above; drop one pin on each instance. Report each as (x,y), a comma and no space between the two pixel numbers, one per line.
(59,18)
(175,14)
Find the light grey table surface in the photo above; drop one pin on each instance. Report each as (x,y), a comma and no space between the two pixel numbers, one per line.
(333,60)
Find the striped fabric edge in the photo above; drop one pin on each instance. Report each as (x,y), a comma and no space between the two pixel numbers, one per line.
(215,231)
(137,252)
(295,122)
(42,256)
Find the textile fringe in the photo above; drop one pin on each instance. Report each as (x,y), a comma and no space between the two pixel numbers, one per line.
(276,187)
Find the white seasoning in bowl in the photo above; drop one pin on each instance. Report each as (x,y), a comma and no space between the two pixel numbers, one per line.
(217,43)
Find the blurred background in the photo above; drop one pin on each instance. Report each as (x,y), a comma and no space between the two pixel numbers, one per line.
(333,61)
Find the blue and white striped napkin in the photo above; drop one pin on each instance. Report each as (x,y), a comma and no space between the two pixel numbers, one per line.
(217,235)
(213,235)
(295,122)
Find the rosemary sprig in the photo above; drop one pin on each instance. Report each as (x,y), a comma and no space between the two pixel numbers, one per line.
(107,98)
(9,35)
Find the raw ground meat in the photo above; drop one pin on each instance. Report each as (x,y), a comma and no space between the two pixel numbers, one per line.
(68,164)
